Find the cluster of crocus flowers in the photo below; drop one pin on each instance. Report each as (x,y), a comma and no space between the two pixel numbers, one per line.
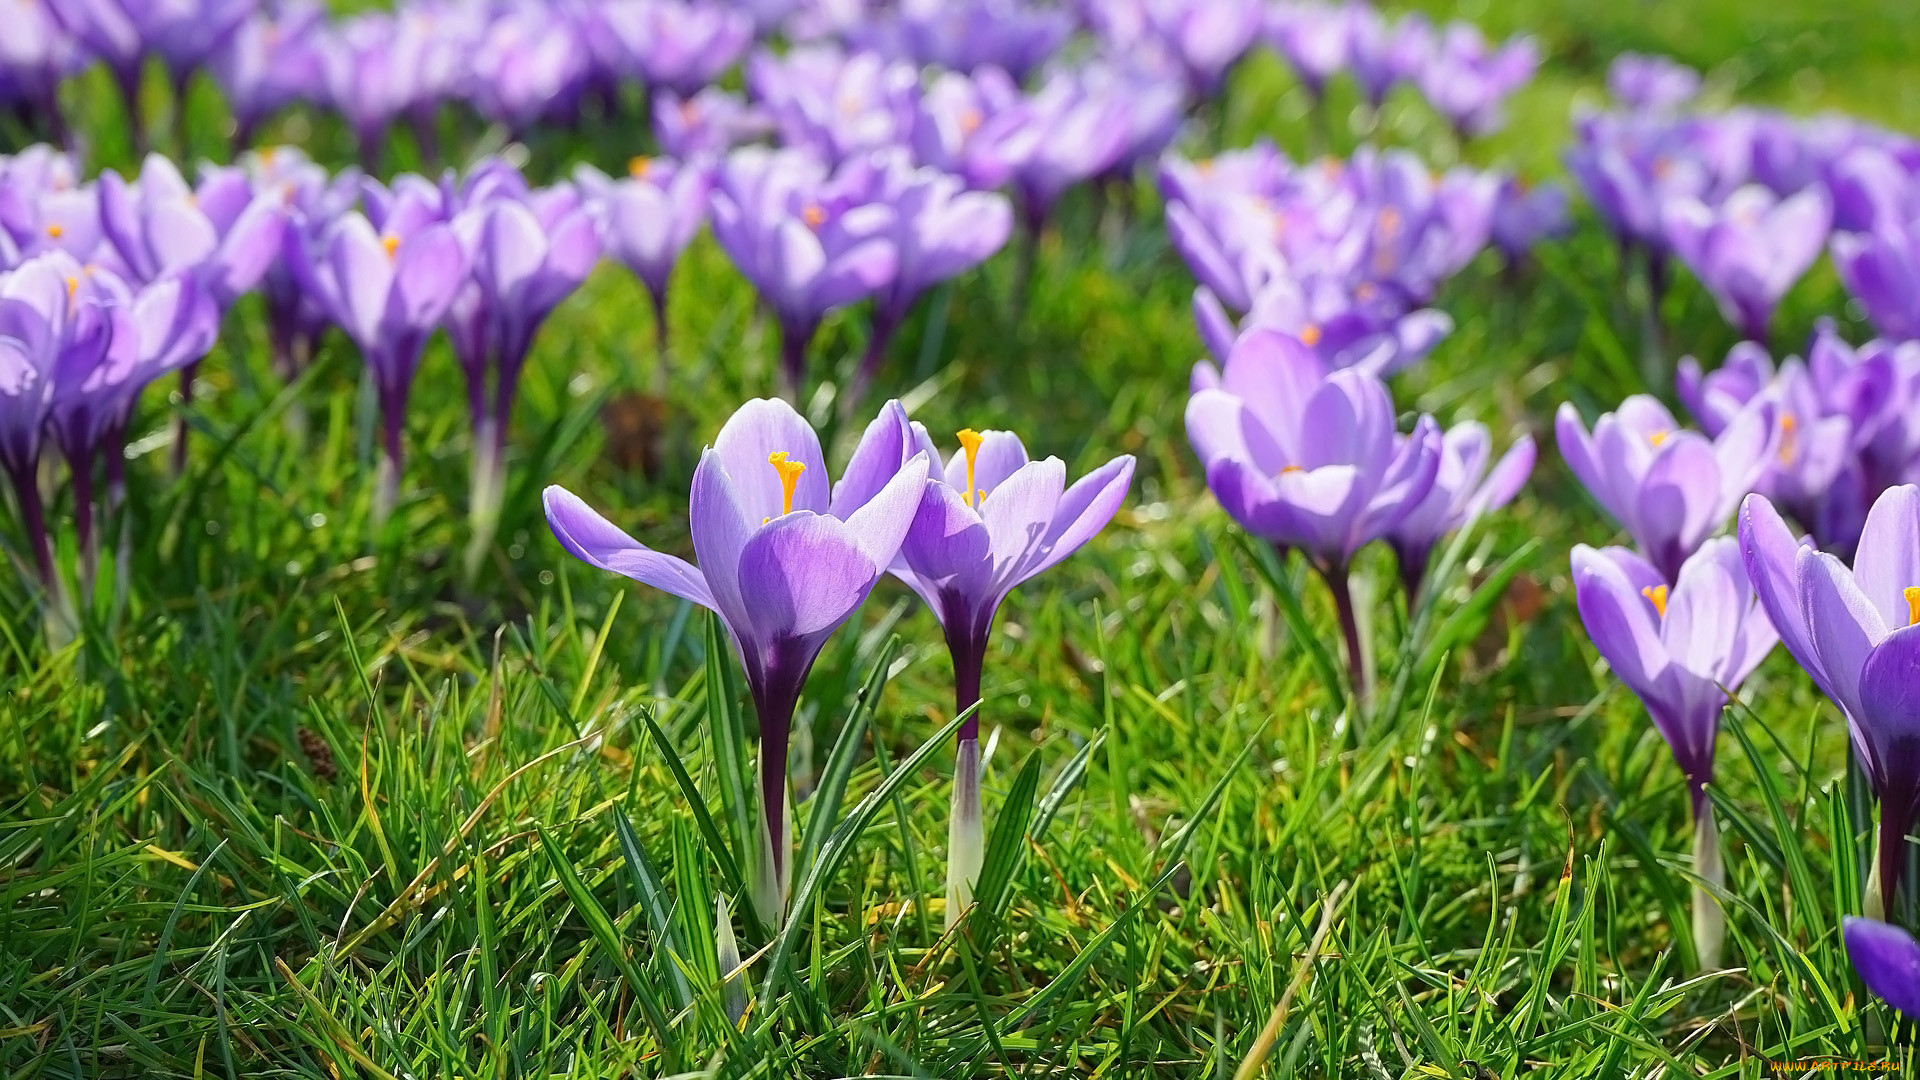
(1747,198)
(1342,255)
(785,556)
(77,345)
(1463,76)
(1309,459)
(1680,643)
(1844,417)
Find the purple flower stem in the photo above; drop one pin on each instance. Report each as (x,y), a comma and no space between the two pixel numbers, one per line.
(886,323)
(1342,589)
(794,339)
(26,487)
(128,81)
(180,429)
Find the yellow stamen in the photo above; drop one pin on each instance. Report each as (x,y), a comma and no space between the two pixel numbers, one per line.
(73,286)
(391,243)
(813,216)
(1285,469)
(1788,425)
(1389,221)
(1364,291)
(1657,438)
(1204,166)
(1912,593)
(55,231)
(970,441)
(1310,335)
(1657,594)
(970,121)
(638,165)
(789,476)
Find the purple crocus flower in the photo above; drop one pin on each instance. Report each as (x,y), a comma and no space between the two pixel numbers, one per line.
(222,233)
(1524,215)
(314,199)
(835,103)
(44,207)
(122,338)
(1468,484)
(992,521)
(1316,39)
(1854,632)
(940,230)
(36,54)
(1668,488)
(1310,460)
(527,65)
(782,561)
(811,241)
(37,339)
(1887,960)
(1750,249)
(1087,123)
(965,35)
(708,124)
(1828,411)
(525,257)
(1640,81)
(1881,269)
(272,60)
(1468,80)
(647,219)
(1201,39)
(1679,648)
(123,33)
(1383,54)
(387,286)
(1361,328)
(975,127)
(677,45)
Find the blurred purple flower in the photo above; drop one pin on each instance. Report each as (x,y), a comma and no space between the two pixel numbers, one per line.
(835,103)
(810,241)
(1316,39)
(975,127)
(272,60)
(1468,80)
(1749,250)
(388,286)
(966,35)
(1887,960)
(708,124)
(647,219)
(1525,214)
(1641,81)
(1467,485)
(682,46)
(1881,269)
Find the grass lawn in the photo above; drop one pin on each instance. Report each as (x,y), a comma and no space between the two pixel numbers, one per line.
(311,807)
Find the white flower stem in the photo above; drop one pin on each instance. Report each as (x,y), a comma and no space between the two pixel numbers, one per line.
(1709,920)
(773,878)
(966,831)
(727,950)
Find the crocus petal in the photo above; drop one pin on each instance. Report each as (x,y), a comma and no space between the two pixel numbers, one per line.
(887,442)
(1890,698)
(1085,509)
(881,525)
(598,542)
(1889,560)
(803,574)
(719,529)
(1841,623)
(756,431)
(1620,621)
(1888,960)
